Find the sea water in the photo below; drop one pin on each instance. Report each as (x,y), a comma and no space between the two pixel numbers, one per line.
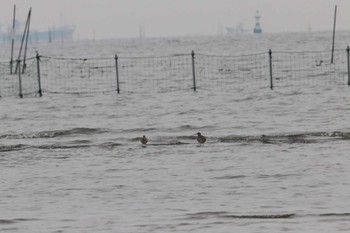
(274,161)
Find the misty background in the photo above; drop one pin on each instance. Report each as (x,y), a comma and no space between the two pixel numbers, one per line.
(105,19)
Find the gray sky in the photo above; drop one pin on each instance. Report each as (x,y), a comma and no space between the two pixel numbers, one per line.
(162,18)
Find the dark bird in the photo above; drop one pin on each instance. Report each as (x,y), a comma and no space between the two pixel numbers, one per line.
(319,63)
(200,138)
(144,140)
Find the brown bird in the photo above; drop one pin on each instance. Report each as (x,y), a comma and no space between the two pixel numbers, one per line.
(200,138)
(144,140)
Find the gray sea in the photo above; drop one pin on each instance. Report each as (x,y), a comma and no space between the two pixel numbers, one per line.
(274,161)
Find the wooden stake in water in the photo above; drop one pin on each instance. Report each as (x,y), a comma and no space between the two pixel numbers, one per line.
(335,20)
(117,72)
(19,78)
(26,46)
(13,37)
(193,72)
(50,36)
(23,37)
(347,52)
(38,70)
(270,58)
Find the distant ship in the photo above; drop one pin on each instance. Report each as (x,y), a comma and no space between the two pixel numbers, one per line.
(56,33)
(239,29)
(257,28)
(52,34)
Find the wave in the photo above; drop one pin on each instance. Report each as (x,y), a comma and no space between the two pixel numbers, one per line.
(138,130)
(268,216)
(335,215)
(18,147)
(228,177)
(305,137)
(13,148)
(310,137)
(16,220)
(168,144)
(224,214)
(52,134)
(286,216)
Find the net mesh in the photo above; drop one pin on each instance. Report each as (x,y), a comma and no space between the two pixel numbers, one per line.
(77,76)
(173,73)
(155,74)
(228,72)
(22,81)
(29,78)
(309,68)
(8,82)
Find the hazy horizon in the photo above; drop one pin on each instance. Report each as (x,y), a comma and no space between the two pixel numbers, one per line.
(107,19)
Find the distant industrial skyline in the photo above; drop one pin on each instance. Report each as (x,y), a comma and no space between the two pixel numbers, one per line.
(102,19)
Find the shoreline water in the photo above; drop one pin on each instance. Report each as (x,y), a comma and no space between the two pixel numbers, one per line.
(274,160)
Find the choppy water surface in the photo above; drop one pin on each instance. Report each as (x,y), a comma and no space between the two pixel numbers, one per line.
(274,161)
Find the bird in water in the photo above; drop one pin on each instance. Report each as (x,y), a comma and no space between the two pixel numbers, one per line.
(144,140)
(200,138)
